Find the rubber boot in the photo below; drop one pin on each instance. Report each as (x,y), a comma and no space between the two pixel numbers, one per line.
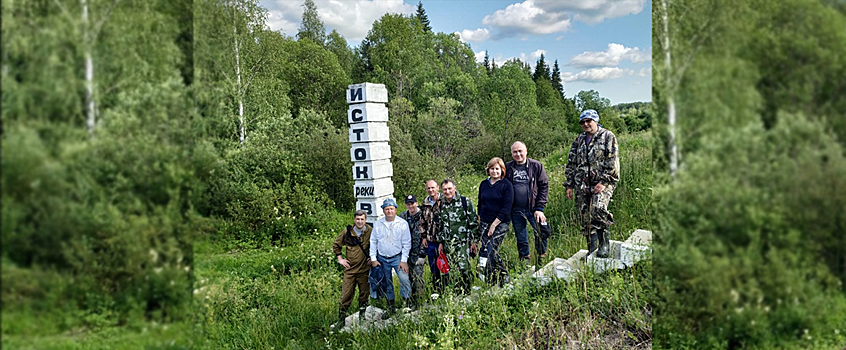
(602,237)
(391,310)
(592,241)
(342,319)
(407,302)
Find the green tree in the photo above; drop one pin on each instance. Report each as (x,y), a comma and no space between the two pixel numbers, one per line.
(555,79)
(317,79)
(231,52)
(311,27)
(541,70)
(423,18)
(510,104)
(336,44)
(591,99)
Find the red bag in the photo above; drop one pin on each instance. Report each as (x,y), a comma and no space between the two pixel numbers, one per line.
(442,263)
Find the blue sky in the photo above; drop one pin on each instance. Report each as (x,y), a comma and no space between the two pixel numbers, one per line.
(603,45)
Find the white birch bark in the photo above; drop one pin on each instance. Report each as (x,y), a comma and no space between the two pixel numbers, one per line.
(239,89)
(671,106)
(90,105)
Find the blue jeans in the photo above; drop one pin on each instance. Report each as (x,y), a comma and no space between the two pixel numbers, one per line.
(405,282)
(518,220)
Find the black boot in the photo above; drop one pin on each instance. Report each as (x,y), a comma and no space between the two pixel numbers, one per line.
(342,319)
(407,302)
(602,237)
(390,312)
(592,242)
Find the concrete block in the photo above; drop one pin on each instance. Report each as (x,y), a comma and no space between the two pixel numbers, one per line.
(642,237)
(370,151)
(367,92)
(632,253)
(369,132)
(367,113)
(383,187)
(600,265)
(372,170)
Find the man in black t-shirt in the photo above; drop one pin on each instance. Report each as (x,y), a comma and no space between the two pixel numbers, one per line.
(531,192)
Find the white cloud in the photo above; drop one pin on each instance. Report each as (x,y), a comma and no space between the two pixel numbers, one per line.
(476,36)
(596,75)
(480,56)
(594,11)
(612,56)
(352,19)
(546,17)
(645,72)
(525,17)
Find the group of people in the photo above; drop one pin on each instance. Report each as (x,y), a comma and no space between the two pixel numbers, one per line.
(446,222)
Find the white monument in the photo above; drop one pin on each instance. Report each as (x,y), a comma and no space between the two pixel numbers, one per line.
(369,151)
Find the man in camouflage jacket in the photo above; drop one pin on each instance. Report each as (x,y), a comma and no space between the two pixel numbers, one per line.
(592,171)
(427,227)
(458,229)
(417,255)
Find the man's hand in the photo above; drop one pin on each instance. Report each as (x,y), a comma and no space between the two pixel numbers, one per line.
(569,193)
(344,262)
(424,243)
(539,216)
(473,248)
(404,267)
(440,248)
(374,263)
(598,188)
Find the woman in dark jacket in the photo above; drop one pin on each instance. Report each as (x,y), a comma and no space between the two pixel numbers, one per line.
(496,195)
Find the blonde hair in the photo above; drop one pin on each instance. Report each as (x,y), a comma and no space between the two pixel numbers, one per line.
(495,161)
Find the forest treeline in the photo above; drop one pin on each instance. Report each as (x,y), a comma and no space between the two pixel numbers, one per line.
(750,174)
(133,128)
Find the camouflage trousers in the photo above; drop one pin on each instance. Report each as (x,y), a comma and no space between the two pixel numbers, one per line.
(593,210)
(459,259)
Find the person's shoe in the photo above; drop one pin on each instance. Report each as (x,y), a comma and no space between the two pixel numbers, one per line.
(390,311)
(408,303)
(342,319)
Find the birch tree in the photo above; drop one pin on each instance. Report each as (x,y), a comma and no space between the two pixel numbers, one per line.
(231,49)
(91,20)
(681,29)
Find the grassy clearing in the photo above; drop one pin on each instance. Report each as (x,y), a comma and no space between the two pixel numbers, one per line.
(285,297)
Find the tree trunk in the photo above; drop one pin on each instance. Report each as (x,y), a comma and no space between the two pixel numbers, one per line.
(671,106)
(242,134)
(90,106)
